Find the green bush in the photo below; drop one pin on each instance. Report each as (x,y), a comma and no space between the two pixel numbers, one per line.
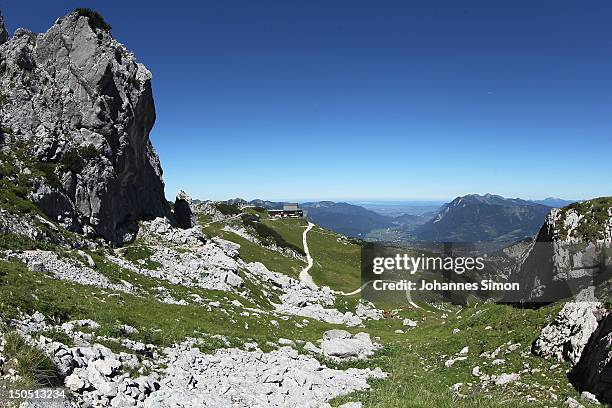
(48,172)
(54,334)
(10,241)
(7,169)
(228,209)
(74,159)
(135,82)
(95,20)
(13,197)
(4,99)
(136,253)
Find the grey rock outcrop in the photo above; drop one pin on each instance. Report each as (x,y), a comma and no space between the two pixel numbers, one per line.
(572,252)
(3,33)
(84,108)
(567,336)
(183,211)
(593,372)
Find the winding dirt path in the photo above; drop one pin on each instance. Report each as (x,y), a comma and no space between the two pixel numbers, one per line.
(305,276)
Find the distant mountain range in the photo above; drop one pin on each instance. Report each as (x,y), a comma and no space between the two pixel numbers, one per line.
(554,202)
(470,218)
(486,218)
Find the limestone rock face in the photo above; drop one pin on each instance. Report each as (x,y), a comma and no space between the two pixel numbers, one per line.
(3,33)
(572,252)
(81,104)
(567,336)
(593,372)
(183,211)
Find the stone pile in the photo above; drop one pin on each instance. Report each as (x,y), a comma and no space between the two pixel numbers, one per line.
(238,378)
(67,269)
(97,376)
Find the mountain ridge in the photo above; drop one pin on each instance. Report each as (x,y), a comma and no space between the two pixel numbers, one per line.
(478,218)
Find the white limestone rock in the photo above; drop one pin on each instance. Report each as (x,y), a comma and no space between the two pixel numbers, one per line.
(567,336)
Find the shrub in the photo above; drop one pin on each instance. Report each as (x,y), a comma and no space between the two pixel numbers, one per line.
(10,241)
(3,99)
(13,197)
(54,334)
(249,218)
(228,209)
(137,253)
(95,20)
(594,218)
(74,159)
(48,172)
(7,169)
(135,82)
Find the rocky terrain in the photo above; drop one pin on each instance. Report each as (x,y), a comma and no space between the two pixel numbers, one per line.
(571,252)
(117,298)
(78,104)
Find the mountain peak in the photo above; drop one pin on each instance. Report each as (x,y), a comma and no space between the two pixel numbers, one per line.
(488,217)
(88,126)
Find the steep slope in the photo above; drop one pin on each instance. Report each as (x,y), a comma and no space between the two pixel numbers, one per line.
(409,221)
(347,219)
(475,218)
(78,106)
(572,251)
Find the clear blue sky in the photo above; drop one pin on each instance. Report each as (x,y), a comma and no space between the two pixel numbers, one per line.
(371,99)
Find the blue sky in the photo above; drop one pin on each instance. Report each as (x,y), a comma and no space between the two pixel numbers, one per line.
(370,99)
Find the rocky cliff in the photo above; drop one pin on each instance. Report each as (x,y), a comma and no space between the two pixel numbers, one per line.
(76,102)
(572,252)
(593,373)
(3,33)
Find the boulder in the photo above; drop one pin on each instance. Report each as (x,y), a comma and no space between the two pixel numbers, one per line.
(75,383)
(108,389)
(504,379)
(340,345)
(107,366)
(123,401)
(183,211)
(409,323)
(336,334)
